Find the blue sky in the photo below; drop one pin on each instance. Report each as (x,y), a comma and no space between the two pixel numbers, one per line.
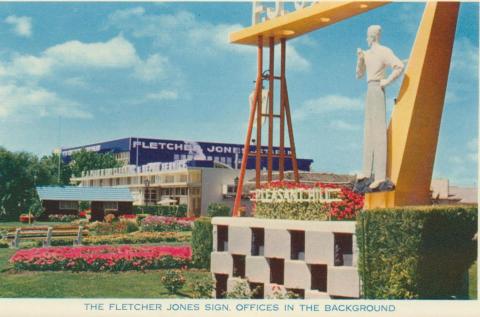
(99,71)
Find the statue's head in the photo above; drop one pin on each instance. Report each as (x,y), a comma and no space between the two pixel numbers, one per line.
(373,34)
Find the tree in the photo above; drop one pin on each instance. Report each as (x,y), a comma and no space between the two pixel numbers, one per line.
(51,164)
(85,161)
(19,173)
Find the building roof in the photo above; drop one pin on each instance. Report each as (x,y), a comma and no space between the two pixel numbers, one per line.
(76,193)
(311,177)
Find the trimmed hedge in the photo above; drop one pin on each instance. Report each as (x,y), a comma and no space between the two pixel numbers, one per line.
(416,252)
(168,211)
(218,210)
(202,242)
(292,210)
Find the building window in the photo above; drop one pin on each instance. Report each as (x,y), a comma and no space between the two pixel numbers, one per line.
(110,205)
(222,238)
(297,245)
(68,205)
(176,157)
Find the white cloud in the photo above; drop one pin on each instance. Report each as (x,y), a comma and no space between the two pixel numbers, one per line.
(153,68)
(329,103)
(115,53)
(343,125)
(31,100)
(184,28)
(22,25)
(30,65)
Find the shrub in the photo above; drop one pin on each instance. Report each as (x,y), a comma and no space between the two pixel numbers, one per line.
(4,244)
(351,203)
(122,226)
(241,290)
(161,223)
(218,210)
(62,218)
(109,218)
(101,258)
(202,242)
(173,280)
(421,252)
(140,217)
(202,288)
(24,218)
(137,238)
(158,210)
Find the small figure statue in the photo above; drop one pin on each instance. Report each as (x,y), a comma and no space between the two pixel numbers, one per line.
(374,62)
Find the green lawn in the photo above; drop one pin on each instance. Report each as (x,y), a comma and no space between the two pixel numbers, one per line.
(472,282)
(16,224)
(87,284)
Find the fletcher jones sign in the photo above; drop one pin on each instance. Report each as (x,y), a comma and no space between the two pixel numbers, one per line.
(313,195)
(199,148)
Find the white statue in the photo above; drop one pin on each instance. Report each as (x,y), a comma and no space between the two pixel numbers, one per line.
(374,61)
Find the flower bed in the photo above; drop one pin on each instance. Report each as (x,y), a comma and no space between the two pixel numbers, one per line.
(101,258)
(347,208)
(161,223)
(138,237)
(62,218)
(26,218)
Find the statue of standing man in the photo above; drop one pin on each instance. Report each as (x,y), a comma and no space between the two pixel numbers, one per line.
(374,62)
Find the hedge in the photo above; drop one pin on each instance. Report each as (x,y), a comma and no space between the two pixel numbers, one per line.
(292,211)
(169,211)
(137,238)
(202,242)
(416,252)
(218,210)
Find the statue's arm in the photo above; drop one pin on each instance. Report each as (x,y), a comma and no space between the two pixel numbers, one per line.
(360,64)
(397,68)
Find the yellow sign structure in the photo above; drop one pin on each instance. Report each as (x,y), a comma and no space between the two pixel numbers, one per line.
(414,127)
(302,21)
(415,123)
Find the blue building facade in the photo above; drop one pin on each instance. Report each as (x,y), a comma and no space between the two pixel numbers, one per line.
(142,151)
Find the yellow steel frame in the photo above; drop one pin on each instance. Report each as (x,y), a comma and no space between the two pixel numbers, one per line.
(414,126)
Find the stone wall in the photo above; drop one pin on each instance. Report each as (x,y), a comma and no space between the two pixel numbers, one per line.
(313,259)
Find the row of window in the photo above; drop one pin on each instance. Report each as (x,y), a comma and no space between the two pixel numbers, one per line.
(343,244)
(221,159)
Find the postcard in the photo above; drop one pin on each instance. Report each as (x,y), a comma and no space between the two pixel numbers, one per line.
(242,158)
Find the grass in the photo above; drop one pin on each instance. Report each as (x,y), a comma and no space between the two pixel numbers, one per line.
(472,281)
(88,284)
(17,224)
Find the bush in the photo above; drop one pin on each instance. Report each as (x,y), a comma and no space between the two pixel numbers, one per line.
(121,226)
(218,210)
(347,208)
(62,218)
(202,288)
(158,210)
(173,280)
(241,290)
(24,218)
(137,238)
(421,252)
(202,242)
(4,244)
(161,223)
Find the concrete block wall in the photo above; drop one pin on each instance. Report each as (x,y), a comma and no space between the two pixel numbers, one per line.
(316,274)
